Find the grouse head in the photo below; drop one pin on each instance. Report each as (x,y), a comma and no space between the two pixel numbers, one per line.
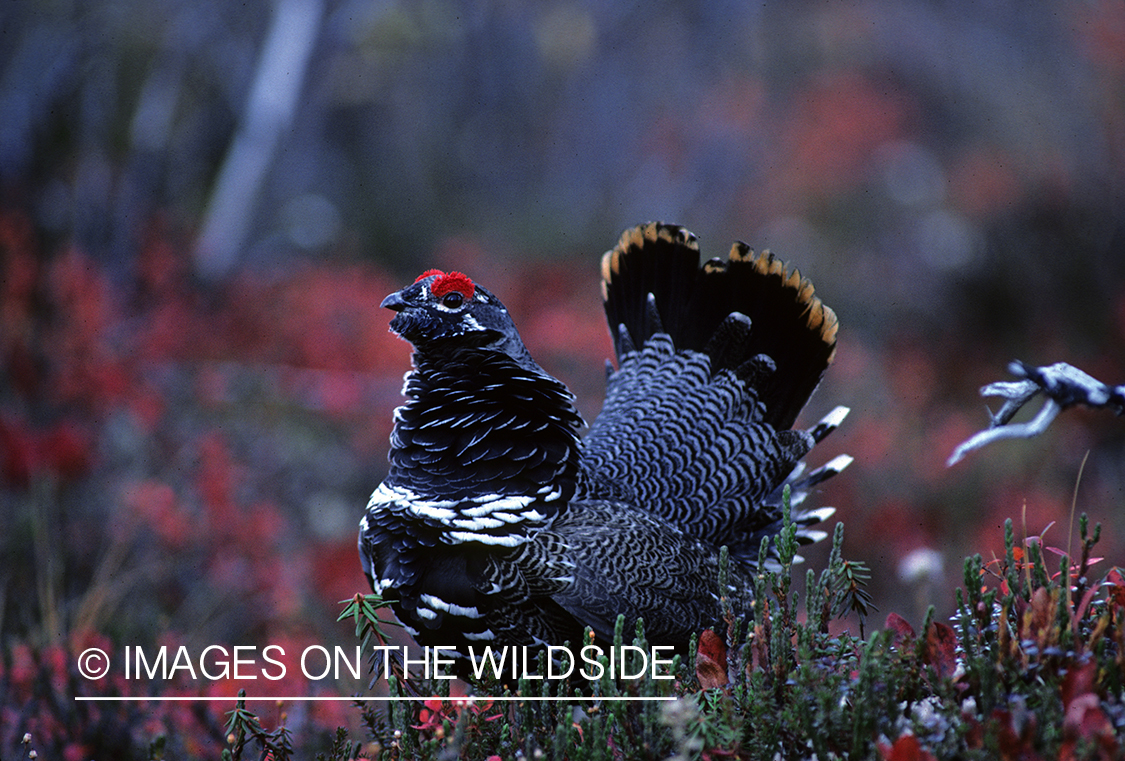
(447,311)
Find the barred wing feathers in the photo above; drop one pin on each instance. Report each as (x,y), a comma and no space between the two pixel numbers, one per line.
(715,363)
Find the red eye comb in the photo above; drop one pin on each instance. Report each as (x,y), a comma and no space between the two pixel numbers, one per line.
(449,281)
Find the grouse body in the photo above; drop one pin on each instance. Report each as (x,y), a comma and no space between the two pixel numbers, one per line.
(498,524)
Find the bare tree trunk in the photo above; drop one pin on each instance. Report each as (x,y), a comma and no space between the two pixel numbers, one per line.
(269,112)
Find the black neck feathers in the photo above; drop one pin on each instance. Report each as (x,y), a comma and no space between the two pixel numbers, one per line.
(478,422)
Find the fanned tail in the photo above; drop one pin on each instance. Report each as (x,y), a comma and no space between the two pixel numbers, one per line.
(734,311)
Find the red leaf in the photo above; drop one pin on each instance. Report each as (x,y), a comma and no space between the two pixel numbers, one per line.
(711,661)
(1015,734)
(1043,606)
(906,748)
(1078,681)
(1116,582)
(1056,551)
(941,646)
(1083,605)
(902,629)
(1085,720)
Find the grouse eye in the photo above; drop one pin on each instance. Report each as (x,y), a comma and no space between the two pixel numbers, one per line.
(453,299)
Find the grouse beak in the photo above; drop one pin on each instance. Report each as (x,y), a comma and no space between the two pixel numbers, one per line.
(394,301)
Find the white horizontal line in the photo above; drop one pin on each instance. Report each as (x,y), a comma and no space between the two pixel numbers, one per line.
(294,699)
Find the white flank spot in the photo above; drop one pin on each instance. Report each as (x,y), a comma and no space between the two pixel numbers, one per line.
(548,495)
(503,541)
(490,502)
(486,634)
(430,510)
(440,604)
(438,510)
(477,524)
(512,502)
(485,509)
(426,613)
(491,511)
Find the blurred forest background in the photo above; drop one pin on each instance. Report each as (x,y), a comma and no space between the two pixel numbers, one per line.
(202,204)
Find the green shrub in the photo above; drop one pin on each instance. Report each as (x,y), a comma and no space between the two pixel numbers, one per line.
(1030,667)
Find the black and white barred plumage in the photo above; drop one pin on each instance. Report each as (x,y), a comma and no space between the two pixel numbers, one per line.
(497,524)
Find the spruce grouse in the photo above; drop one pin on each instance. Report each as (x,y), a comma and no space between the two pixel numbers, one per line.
(497,524)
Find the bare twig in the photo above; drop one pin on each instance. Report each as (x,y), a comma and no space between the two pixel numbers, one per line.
(1064,386)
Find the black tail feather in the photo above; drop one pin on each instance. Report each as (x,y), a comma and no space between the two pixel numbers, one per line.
(694,306)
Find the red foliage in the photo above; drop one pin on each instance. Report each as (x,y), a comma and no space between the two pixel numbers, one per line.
(711,661)
(1116,581)
(196,433)
(903,632)
(155,372)
(333,567)
(832,132)
(982,182)
(939,650)
(905,748)
(941,646)
(1085,721)
(62,451)
(435,712)
(1100,28)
